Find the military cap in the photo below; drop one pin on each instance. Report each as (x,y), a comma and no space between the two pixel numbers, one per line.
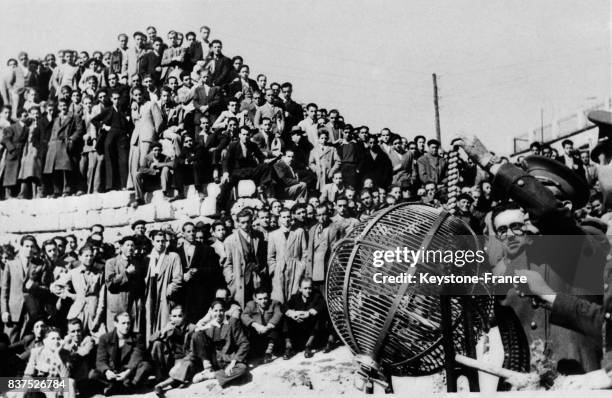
(550,172)
(137,223)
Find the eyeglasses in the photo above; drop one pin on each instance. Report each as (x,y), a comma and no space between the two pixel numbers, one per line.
(517,228)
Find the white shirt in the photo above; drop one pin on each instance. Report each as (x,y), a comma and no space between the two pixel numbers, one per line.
(154,262)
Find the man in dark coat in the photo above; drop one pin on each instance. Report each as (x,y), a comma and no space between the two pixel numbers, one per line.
(14,139)
(201,274)
(207,100)
(114,142)
(65,135)
(120,361)
(219,65)
(376,164)
(291,186)
(244,160)
(574,248)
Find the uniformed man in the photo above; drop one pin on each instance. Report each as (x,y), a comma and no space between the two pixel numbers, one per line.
(574,247)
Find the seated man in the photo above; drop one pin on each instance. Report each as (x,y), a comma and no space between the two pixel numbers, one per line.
(291,186)
(220,349)
(304,317)
(157,171)
(262,317)
(81,354)
(170,350)
(243,161)
(186,170)
(120,363)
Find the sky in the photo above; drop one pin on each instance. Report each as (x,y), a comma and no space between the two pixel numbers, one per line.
(499,63)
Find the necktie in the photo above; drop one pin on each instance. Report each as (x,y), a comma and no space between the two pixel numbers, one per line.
(286,235)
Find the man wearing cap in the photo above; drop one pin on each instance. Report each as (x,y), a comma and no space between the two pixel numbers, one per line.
(431,166)
(124,279)
(142,243)
(464,212)
(546,191)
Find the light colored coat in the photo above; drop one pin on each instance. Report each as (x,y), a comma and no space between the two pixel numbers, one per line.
(90,295)
(147,121)
(169,282)
(235,262)
(320,244)
(124,291)
(324,161)
(286,262)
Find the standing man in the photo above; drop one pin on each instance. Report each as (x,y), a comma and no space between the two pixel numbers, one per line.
(66,132)
(321,239)
(245,267)
(271,111)
(219,65)
(287,248)
(14,138)
(293,111)
(25,290)
(21,78)
(124,279)
(309,124)
(147,119)
(201,274)
(119,57)
(199,50)
(135,54)
(431,167)
(206,100)
(164,280)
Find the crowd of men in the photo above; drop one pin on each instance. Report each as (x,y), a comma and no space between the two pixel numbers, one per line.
(205,302)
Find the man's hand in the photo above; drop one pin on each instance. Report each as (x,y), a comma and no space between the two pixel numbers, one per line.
(110,375)
(203,108)
(225,178)
(229,368)
(537,285)
(130,269)
(28,285)
(475,150)
(260,329)
(123,375)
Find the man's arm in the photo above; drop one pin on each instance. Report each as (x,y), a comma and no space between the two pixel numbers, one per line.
(115,281)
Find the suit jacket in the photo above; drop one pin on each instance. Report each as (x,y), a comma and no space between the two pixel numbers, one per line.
(286,262)
(236,159)
(324,161)
(168,283)
(163,161)
(229,343)
(134,57)
(293,114)
(236,262)
(251,313)
(213,100)
(18,80)
(65,136)
(330,192)
(124,291)
(285,174)
(196,53)
(111,357)
(15,296)
(431,168)
(199,291)
(320,242)
(221,70)
(236,86)
(147,121)
(148,63)
(263,142)
(169,64)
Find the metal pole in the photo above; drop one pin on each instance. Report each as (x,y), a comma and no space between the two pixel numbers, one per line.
(436,107)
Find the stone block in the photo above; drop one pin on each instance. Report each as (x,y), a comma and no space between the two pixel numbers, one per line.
(163,210)
(66,221)
(80,220)
(114,217)
(208,207)
(246,188)
(116,199)
(143,212)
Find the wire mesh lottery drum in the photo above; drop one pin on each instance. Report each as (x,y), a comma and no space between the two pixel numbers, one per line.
(400,326)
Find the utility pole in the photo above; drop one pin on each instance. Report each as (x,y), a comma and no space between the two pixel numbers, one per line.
(436,107)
